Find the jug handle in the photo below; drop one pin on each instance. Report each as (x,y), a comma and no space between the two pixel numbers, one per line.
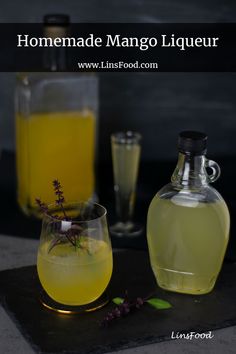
(216,171)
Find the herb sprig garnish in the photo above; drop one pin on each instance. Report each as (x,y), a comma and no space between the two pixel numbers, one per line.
(125,306)
(59,201)
(60,197)
(43,207)
(73,234)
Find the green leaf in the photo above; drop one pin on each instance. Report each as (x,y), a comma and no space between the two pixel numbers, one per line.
(118,300)
(159,304)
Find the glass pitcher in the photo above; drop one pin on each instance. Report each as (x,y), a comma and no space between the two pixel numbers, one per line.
(56,114)
(188,222)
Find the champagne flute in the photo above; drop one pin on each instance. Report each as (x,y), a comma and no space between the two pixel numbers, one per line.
(126,151)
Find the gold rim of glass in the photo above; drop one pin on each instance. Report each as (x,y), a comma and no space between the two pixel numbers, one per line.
(52,305)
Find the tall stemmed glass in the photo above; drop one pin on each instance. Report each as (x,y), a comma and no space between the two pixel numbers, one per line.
(126,151)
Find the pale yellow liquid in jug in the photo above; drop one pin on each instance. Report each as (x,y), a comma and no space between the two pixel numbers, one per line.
(52,146)
(187,242)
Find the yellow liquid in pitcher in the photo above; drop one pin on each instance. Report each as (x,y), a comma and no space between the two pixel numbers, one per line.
(187,242)
(55,145)
(75,277)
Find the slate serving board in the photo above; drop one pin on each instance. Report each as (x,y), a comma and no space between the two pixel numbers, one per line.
(49,332)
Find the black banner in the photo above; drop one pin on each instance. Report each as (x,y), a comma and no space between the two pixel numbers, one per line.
(121,47)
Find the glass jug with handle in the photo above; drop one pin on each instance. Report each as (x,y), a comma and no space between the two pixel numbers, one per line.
(188,222)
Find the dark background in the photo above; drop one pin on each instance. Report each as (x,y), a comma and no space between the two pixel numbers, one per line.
(158,105)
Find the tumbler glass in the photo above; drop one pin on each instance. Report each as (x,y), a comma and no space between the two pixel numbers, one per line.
(75,257)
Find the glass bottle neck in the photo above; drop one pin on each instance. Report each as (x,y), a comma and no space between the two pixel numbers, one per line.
(54,58)
(190,171)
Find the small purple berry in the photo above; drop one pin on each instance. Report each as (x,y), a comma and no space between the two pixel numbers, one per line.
(117,312)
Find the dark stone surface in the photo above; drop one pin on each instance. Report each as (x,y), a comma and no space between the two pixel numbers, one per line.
(49,332)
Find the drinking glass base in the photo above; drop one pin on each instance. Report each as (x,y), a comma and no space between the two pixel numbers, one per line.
(52,305)
(126,229)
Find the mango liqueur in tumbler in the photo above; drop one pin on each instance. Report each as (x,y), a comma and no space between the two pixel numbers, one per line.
(126,151)
(74,257)
(188,222)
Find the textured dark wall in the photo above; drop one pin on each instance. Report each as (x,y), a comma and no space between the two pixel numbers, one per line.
(121,11)
(158,105)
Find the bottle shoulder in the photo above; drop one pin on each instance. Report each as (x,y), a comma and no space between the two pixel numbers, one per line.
(204,194)
(56,92)
(25,79)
